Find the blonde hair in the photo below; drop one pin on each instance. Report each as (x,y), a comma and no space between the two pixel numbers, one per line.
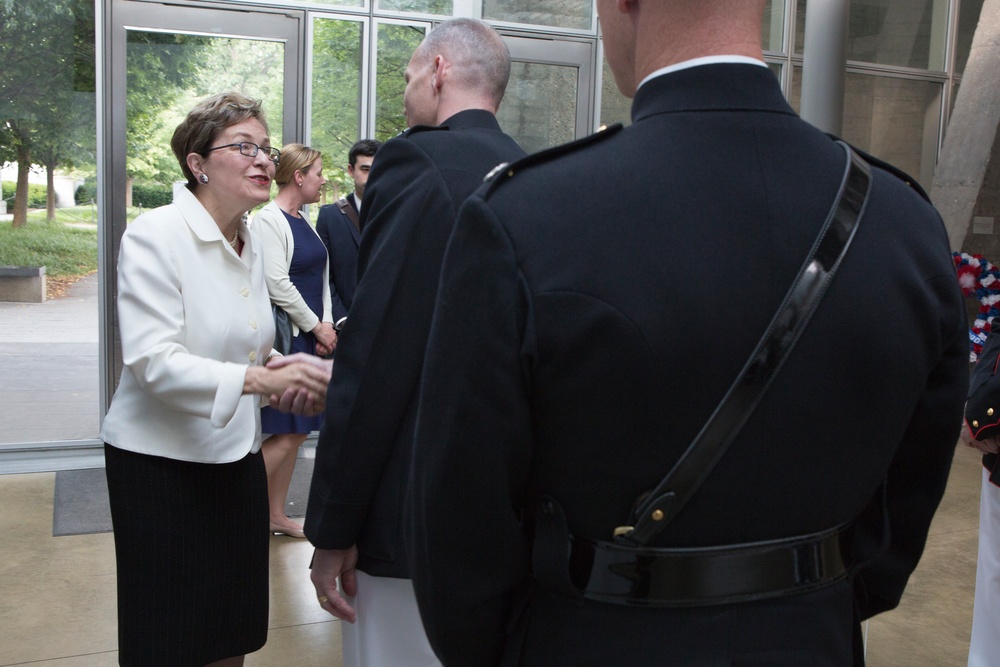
(294,157)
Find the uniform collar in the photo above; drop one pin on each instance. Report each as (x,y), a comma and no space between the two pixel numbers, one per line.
(706,60)
(711,87)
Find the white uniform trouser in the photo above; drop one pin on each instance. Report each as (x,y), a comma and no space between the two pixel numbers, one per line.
(984,650)
(388,631)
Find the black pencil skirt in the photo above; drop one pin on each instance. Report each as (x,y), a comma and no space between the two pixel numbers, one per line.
(191,545)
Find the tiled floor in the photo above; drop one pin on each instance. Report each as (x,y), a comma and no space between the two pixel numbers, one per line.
(57,594)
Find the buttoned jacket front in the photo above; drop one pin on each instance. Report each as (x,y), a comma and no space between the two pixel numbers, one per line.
(193,316)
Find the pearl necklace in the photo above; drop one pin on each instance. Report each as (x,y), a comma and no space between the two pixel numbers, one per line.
(236,237)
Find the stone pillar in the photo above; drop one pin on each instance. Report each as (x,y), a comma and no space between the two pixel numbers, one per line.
(972,130)
(824,64)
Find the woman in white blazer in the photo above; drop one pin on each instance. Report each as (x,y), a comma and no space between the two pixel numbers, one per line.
(296,269)
(185,475)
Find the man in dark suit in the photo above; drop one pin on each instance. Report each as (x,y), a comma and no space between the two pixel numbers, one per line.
(581,341)
(455,82)
(338,225)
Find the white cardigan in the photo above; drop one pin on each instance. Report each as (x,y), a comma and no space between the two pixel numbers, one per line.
(193,317)
(279,246)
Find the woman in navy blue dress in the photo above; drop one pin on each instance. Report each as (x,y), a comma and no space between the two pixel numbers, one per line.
(296,268)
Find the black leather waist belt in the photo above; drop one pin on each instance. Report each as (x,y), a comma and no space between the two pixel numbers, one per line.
(609,572)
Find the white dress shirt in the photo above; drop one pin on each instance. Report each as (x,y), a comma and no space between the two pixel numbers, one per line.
(193,316)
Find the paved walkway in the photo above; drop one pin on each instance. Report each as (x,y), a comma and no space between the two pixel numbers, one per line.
(49,367)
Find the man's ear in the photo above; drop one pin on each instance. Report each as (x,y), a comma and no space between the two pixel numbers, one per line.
(442,68)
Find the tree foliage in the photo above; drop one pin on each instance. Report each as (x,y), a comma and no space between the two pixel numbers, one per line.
(37,58)
(396,43)
(159,69)
(336,88)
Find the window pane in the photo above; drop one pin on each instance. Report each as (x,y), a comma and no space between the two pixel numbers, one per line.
(336,95)
(49,377)
(337,3)
(539,108)
(396,44)
(968,19)
(772,29)
(904,33)
(894,119)
(615,107)
(441,7)
(557,13)
(167,74)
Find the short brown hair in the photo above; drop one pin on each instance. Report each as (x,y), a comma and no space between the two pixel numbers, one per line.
(294,157)
(200,128)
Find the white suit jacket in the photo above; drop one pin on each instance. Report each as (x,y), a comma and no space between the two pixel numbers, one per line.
(279,246)
(193,317)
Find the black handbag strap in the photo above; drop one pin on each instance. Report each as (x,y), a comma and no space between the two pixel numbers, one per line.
(655,510)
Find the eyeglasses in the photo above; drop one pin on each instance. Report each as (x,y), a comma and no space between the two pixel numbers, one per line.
(250,150)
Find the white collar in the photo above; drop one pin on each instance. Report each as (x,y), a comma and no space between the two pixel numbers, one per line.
(707,60)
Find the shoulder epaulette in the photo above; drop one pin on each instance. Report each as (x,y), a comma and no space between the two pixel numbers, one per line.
(885,166)
(504,172)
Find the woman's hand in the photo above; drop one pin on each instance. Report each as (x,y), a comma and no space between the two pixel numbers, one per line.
(326,338)
(299,400)
(297,375)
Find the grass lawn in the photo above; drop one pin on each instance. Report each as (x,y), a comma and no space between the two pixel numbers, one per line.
(66,247)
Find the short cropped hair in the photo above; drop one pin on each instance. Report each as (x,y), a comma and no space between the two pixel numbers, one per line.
(294,157)
(200,129)
(481,57)
(366,147)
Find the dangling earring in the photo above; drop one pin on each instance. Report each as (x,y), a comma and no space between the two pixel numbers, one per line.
(203,178)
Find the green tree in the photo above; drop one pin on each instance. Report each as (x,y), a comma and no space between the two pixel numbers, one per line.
(37,58)
(336,95)
(396,44)
(160,68)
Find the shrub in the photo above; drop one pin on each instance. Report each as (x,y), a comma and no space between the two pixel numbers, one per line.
(36,195)
(85,193)
(151,196)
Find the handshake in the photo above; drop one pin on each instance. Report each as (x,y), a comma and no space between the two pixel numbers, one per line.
(298,383)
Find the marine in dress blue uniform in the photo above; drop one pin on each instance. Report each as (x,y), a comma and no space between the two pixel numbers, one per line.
(580,341)
(363,458)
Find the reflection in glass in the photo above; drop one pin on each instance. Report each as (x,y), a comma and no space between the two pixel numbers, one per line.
(556,13)
(894,119)
(615,107)
(968,19)
(539,108)
(338,3)
(49,377)
(904,33)
(396,44)
(336,95)
(166,76)
(440,7)
(772,28)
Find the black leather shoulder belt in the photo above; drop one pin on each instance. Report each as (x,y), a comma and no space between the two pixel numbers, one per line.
(626,571)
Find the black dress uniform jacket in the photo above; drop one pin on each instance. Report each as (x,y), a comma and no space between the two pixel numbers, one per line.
(595,304)
(341,238)
(416,185)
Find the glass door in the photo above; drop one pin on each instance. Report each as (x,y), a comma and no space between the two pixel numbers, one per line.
(162,60)
(549,97)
